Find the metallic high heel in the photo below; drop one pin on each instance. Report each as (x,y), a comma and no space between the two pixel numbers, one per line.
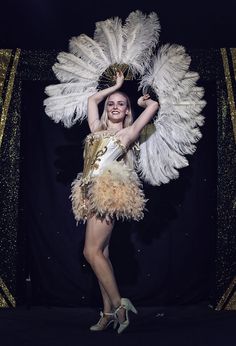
(101,324)
(127,305)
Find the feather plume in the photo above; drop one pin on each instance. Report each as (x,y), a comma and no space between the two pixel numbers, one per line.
(68,108)
(90,51)
(109,35)
(168,67)
(141,35)
(68,88)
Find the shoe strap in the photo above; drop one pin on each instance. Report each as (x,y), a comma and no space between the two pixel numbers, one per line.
(102,314)
(119,307)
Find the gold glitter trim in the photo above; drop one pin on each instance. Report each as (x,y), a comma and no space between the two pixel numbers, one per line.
(8,294)
(5,57)
(224,302)
(233,53)
(229,89)
(3,303)
(3,116)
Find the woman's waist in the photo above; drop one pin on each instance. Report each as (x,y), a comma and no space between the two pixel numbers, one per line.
(116,169)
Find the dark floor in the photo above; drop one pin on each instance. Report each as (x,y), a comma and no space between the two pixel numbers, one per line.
(178,326)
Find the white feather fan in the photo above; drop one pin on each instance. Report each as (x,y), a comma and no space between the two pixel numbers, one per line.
(80,70)
(175,130)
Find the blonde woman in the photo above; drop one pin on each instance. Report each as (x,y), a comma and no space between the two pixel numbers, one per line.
(109,189)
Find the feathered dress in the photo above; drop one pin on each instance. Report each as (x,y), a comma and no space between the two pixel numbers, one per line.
(107,187)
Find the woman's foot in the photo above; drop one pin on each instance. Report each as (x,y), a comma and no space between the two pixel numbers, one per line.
(105,320)
(122,314)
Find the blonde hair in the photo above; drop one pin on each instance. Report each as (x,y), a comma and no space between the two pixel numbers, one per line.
(129,156)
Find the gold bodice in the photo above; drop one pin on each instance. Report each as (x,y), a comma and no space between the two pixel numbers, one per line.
(101,149)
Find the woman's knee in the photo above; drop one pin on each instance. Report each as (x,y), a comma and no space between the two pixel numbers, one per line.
(87,254)
(91,253)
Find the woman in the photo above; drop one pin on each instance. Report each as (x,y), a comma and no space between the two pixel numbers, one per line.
(96,196)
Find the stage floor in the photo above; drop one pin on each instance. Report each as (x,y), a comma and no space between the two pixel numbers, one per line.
(177,326)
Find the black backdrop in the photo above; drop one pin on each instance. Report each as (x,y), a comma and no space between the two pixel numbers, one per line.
(168,258)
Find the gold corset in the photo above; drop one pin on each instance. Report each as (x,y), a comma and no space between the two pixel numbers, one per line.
(101,148)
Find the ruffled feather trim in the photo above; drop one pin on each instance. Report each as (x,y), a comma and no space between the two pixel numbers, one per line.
(115,193)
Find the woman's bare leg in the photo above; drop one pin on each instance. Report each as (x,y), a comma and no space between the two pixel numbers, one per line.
(97,238)
(107,305)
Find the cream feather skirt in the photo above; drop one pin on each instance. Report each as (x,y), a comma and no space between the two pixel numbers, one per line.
(115,193)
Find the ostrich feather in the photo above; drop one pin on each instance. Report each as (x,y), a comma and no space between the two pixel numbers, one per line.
(67,73)
(141,35)
(169,66)
(109,35)
(68,88)
(72,60)
(68,108)
(90,51)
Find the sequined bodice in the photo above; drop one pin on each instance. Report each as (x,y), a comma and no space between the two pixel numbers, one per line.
(101,148)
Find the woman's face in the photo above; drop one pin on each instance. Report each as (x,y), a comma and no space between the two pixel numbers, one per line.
(117,107)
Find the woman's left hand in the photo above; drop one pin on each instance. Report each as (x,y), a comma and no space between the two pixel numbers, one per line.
(142,101)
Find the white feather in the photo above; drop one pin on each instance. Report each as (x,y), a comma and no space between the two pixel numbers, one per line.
(109,35)
(90,51)
(141,35)
(168,68)
(68,108)
(68,88)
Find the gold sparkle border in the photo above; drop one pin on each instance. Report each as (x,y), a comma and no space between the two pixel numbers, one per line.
(8,294)
(5,57)
(6,299)
(226,302)
(233,53)
(229,84)
(3,303)
(6,103)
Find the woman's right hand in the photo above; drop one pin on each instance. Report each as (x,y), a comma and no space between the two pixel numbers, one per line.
(119,77)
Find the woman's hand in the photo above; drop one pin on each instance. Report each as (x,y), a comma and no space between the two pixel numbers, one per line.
(119,77)
(144,100)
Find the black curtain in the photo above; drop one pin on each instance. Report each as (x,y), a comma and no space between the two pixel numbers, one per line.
(167,258)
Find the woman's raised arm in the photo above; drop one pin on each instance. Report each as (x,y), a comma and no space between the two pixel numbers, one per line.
(150,110)
(94,100)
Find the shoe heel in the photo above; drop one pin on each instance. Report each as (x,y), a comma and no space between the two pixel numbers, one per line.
(132,308)
(129,305)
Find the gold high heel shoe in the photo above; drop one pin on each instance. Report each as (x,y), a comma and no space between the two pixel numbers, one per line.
(127,305)
(105,320)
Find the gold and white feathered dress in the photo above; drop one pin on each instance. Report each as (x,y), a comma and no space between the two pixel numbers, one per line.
(107,187)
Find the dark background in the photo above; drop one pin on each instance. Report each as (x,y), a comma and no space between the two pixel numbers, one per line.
(168,258)
(50,24)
